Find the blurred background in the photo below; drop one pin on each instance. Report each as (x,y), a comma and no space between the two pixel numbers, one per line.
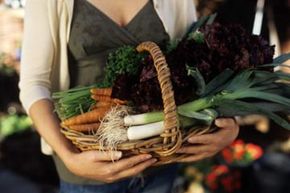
(257,162)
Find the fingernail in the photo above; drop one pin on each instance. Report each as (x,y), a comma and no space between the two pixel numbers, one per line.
(191,140)
(154,160)
(217,121)
(118,154)
(147,156)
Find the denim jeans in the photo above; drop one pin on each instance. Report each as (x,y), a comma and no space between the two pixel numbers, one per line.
(160,181)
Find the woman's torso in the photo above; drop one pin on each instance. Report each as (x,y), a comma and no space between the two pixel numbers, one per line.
(93,36)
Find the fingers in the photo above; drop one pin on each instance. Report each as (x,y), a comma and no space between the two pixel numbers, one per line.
(225,123)
(201,139)
(136,169)
(97,156)
(218,139)
(128,163)
(197,149)
(229,130)
(207,145)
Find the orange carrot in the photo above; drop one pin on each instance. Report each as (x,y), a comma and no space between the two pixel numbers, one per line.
(85,127)
(88,117)
(119,101)
(102,98)
(103,104)
(101,91)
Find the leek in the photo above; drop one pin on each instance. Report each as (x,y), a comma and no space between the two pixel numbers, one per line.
(249,84)
(156,128)
(145,131)
(142,119)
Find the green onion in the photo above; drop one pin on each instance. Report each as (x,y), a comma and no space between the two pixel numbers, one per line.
(73,102)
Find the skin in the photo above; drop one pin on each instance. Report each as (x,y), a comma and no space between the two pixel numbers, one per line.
(120,11)
(91,164)
(97,165)
(207,145)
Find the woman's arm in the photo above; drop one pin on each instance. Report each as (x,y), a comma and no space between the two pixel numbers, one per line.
(47,125)
(91,164)
(36,64)
(37,54)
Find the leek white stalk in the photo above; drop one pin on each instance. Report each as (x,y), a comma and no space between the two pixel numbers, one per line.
(113,129)
(154,129)
(145,131)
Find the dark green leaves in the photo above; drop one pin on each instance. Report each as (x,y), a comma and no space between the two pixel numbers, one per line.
(262,95)
(242,80)
(228,107)
(198,37)
(124,60)
(193,30)
(211,19)
(206,116)
(282,58)
(198,78)
(216,83)
(251,91)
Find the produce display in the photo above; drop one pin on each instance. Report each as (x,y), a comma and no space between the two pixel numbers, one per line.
(214,71)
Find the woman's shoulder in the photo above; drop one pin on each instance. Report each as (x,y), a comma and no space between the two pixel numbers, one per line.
(49,6)
(60,2)
(51,2)
(174,5)
(176,2)
(46,2)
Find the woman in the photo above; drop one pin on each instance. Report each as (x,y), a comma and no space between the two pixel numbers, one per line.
(66,43)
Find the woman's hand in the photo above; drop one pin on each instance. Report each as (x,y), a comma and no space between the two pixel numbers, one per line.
(95,165)
(207,145)
(98,165)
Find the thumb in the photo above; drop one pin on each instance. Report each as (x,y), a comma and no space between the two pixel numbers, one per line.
(225,123)
(96,156)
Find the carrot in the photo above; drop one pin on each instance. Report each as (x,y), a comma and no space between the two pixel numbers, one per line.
(101,91)
(119,101)
(103,104)
(102,98)
(88,117)
(85,127)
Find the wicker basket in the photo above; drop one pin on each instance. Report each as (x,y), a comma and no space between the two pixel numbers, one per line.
(162,147)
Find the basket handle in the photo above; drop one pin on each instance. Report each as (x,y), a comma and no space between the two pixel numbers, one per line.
(171,136)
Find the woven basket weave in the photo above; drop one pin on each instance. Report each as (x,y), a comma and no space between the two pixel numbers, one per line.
(162,147)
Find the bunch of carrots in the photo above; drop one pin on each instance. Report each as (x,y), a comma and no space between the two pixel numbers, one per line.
(90,121)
